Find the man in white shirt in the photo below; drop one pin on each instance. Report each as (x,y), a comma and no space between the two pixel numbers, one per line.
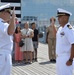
(64,43)
(6,41)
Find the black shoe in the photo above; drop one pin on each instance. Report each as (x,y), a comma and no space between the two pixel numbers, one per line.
(26,62)
(54,60)
(51,60)
(35,59)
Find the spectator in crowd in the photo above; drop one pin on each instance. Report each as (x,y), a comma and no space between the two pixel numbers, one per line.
(27,35)
(17,38)
(51,40)
(35,40)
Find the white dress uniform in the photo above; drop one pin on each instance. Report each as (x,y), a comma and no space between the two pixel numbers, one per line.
(28,46)
(6,45)
(65,38)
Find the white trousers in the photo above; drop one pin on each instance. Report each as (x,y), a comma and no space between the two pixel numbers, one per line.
(61,67)
(5,63)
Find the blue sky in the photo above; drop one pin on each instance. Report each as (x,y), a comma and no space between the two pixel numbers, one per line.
(44,9)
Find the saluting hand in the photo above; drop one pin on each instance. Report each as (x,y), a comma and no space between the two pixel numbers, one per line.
(53,21)
(13,13)
(11,27)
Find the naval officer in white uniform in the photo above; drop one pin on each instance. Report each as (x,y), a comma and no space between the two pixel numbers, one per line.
(6,42)
(64,43)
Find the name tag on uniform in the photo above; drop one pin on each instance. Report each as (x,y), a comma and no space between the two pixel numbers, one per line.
(62,34)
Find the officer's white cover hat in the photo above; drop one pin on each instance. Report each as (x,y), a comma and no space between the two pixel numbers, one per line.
(61,12)
(5,7)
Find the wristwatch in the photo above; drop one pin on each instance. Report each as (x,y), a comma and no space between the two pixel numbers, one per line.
(71,60)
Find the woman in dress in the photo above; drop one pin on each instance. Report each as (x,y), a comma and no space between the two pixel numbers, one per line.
(17,38)
(27,35)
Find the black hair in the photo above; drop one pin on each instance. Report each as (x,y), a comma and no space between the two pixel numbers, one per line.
(16,31)
(32,23)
